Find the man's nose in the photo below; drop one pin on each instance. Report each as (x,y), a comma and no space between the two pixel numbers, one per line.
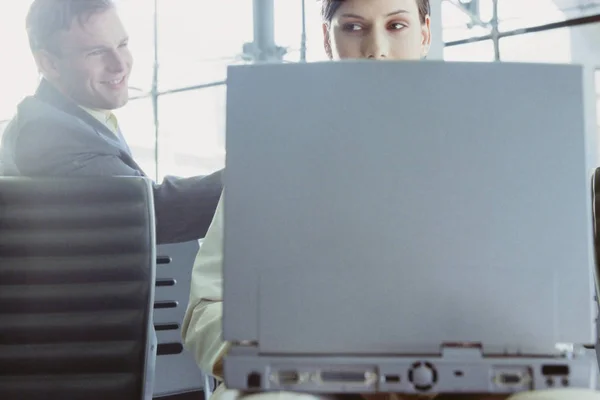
(117,62)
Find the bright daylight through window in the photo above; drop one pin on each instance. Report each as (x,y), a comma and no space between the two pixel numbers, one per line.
(176,124)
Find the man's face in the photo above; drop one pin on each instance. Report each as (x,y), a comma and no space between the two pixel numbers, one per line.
(93,62)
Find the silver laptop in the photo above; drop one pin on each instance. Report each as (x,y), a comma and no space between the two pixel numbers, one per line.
(408,227)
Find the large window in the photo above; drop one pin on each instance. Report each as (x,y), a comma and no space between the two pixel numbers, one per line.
(553,46)
(198,39)
(192,132)
(137,123)
(138,18)
(517,14)
(19,75)
(288,29)
(461,20)
(477,51)
(467,19)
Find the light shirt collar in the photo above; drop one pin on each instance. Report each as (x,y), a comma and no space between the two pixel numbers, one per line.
(104,116)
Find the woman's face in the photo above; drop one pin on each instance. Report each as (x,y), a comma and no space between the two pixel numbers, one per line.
(377,29)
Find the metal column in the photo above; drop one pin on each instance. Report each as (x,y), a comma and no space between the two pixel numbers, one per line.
(496,31)
(264,28)
(154,94)
(264,49)
(303,39)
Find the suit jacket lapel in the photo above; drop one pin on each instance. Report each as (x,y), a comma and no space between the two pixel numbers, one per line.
(48,94)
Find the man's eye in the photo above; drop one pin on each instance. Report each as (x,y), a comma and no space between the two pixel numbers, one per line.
(95,53)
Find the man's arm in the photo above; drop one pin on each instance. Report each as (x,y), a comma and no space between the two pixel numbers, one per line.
(184,207)
(202,325)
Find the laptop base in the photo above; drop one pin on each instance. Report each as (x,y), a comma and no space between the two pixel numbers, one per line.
(455,371)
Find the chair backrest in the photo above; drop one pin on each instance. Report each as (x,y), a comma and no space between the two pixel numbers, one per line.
(596,226)
(176,369)
(77,276)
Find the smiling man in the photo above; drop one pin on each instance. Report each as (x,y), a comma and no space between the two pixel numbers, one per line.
(88,60)
(68,129)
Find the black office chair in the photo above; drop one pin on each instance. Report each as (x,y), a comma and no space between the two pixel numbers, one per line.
(176,369)
(596,226)
(77,276)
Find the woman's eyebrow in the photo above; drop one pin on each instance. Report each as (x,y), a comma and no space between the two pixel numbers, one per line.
(351,15)
(397,12)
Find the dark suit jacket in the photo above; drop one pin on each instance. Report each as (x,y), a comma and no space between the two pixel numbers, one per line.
(51,136)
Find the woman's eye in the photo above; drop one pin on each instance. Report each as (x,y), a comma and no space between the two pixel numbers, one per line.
(352,27)
(397,26)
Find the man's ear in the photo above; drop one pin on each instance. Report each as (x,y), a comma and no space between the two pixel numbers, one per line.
(327,41)
(47,64)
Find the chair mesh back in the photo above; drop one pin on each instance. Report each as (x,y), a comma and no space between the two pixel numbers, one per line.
(76,284)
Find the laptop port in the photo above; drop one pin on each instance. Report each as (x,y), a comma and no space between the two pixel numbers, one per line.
(254,381)
(555,369)
(347,377)
(511,378)
(288,377)
(343,376)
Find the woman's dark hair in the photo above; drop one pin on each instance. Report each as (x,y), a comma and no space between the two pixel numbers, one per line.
(329,8)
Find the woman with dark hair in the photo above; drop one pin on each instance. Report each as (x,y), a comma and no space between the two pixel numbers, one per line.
(376,29)
(352,29)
